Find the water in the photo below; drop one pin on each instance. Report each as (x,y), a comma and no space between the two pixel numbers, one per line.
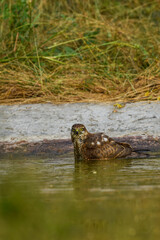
(117,199)
(57,174)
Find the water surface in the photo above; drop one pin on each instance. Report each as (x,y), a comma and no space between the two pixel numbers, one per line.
(117,199)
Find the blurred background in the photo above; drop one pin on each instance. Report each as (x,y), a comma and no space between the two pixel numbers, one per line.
(72,51)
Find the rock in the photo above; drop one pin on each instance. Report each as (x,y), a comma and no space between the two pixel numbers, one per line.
(45,128)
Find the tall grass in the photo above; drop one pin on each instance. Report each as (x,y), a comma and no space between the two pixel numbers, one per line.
(66,51)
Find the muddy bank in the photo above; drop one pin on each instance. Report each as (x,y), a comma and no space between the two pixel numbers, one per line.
(45,128)
(64,146)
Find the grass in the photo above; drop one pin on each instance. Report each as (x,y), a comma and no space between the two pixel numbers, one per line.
(77,51)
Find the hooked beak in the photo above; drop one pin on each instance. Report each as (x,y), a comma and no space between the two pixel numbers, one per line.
(76,132)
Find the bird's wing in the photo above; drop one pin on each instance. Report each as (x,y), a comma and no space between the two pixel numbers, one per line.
(120,149)
(101,146)
(97,140)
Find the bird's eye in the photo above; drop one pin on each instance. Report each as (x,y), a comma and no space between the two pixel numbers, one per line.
(75,131)
(78,131)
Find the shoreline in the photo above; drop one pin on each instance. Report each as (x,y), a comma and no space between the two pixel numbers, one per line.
(64,146)
(45,128)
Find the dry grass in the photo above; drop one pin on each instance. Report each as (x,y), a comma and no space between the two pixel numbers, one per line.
(76,52)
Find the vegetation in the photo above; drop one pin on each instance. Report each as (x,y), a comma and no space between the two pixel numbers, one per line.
(88,50)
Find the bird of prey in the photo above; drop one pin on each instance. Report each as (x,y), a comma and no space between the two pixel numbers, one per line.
(98,146)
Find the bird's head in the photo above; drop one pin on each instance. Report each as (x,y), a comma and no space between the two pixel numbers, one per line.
(78,132)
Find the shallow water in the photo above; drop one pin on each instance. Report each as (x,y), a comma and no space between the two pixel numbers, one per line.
(57,174)
(117,199)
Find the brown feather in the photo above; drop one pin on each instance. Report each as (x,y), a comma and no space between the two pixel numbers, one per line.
(96,146)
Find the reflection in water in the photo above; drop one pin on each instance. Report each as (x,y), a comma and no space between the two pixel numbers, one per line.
(58,174)
(64,173)
(97,175)
(116,199)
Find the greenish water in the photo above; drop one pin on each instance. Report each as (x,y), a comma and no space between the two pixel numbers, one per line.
(54,198)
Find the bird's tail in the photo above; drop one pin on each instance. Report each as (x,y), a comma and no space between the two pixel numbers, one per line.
(142,152)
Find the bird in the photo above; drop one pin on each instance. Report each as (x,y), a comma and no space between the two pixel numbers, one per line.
(96,146)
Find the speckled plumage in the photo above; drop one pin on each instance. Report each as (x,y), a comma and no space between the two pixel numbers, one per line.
(98,146)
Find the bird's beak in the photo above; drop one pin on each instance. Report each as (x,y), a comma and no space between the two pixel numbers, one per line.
(76,132)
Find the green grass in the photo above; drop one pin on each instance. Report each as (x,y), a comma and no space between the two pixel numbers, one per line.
(67,51)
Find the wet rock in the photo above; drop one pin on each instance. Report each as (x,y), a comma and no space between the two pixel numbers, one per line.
(64,146)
